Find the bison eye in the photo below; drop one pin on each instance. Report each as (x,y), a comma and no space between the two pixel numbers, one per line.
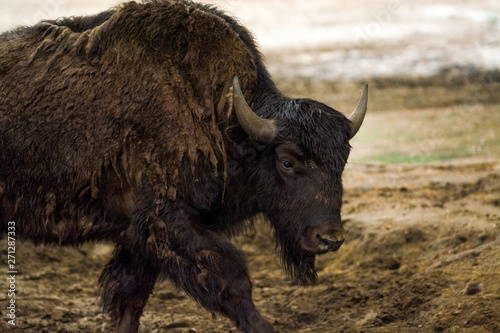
(287,165)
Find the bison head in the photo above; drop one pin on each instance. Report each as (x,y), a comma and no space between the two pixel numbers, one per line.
(299,174)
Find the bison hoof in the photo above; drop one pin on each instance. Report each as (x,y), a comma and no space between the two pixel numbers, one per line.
(259,325)
(265,327)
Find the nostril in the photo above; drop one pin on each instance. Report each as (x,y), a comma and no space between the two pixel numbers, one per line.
(328,244)
(323,244)
(321,240)
(330,238)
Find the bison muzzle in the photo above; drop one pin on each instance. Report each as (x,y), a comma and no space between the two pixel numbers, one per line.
(157,127)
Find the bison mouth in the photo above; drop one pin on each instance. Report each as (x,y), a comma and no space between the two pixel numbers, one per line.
(319,239)
(327,245)
(299,248)
(299,261)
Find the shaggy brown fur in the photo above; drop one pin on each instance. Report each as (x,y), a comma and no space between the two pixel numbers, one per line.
(119,127)
(126,92)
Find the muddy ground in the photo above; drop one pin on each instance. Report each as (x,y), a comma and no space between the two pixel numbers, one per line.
(422,187)
(421,210)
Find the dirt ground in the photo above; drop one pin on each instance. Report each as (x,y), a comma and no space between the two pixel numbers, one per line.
(422,186)
(421,210)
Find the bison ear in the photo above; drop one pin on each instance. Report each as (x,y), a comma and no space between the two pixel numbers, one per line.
(358,115)
(236,134)
(240,143)
(259,129)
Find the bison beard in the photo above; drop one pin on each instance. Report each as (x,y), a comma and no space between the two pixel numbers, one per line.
(120,127)
(298,264)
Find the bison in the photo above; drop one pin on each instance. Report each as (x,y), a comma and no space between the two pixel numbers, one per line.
(157,127)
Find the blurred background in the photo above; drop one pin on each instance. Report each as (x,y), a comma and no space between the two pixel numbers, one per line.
(422,186)
(338,39)
(317,48)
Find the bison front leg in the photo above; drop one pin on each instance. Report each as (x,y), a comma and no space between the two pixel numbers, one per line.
(211,270)
(126,283)
(215,274)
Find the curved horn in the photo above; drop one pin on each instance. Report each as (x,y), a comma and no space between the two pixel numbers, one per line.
(257,128)
(358,114)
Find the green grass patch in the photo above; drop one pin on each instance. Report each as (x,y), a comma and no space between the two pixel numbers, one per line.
(402,158)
